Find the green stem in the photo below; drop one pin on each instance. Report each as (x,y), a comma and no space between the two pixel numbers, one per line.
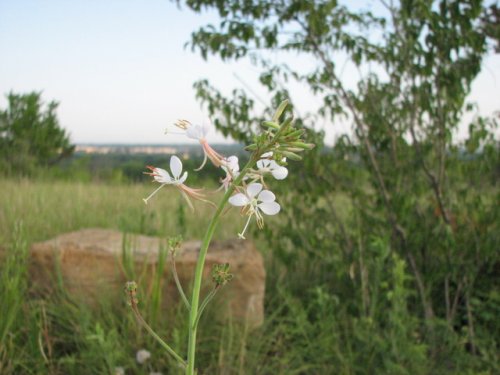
(178,283)
(195,299)
(158,338)
(205,302)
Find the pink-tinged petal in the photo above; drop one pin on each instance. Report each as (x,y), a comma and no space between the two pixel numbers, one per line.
(280,173)
(269,208)
(183,178)
(175,167)
(254,189)
(239,200)
(266,196)
(162,176)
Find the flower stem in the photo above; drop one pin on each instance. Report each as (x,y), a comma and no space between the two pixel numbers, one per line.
(178,283)
(205,302)
(195,299)
(167,347)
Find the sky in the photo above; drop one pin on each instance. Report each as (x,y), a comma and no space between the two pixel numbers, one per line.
(121,73)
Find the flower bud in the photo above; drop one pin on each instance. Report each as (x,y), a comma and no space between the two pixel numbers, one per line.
(270,124)
(294,149)
(280,110)
(294,134)
(220,274)
(174,244)
(291,155)
(305,146)
(131,290)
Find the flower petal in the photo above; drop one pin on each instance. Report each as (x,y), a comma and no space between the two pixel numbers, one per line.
(253,189)
(269,208)
(194,132)
(263,163)
(162,176)
(183,178)
(232,162)
(239,200)
(266,155)
(204,129)
(280,173)
(266,196)
(175,167)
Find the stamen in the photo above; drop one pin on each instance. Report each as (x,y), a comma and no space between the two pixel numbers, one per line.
(173,132)
(182,124)
(241,235)
(153,193)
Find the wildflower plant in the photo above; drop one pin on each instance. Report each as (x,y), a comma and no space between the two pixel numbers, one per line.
(244,188)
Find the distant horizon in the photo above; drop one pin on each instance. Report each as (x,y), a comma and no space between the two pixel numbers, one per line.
(166,144)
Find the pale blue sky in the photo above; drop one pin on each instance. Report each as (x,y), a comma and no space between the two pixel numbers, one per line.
(120,70)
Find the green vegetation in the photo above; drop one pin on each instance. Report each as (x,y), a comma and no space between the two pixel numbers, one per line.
(384,259)
(352,310)
(411,265)
(30,134)
(53,334)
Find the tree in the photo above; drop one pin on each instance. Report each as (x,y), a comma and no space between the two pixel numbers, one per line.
(30,133)
(416,61)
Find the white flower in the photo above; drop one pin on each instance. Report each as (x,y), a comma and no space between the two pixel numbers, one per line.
(232,169)
(119,371)
(199,133)
(177,179)
(254,201)
(266,165)
(142,356)
(231,164)
(163,177)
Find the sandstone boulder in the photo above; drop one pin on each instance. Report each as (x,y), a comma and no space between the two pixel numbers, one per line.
(93,262)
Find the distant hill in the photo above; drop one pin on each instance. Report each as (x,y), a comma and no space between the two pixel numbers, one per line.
(187,150)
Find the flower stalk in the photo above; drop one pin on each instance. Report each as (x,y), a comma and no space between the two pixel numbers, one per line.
(270,150)
(195,299)
(131,290)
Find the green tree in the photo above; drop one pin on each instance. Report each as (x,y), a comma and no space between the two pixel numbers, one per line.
(30,134)
(405,177)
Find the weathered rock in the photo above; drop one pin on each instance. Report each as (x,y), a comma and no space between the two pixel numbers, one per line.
(92,265)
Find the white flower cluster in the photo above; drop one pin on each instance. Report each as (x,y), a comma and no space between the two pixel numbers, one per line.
(251,197)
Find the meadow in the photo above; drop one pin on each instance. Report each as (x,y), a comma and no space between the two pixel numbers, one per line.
(338,300)
(54,335)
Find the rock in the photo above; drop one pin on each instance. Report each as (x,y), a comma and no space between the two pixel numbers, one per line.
(92,264)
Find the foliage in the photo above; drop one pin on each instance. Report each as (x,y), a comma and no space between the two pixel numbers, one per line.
(407,182)
(30,134)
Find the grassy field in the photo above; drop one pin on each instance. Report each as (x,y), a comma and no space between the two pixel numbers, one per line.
(46,209)
(319,318)
(53,334)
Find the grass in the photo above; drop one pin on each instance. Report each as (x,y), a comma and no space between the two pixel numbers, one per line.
(314,317)
(47,209)
(54,334)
